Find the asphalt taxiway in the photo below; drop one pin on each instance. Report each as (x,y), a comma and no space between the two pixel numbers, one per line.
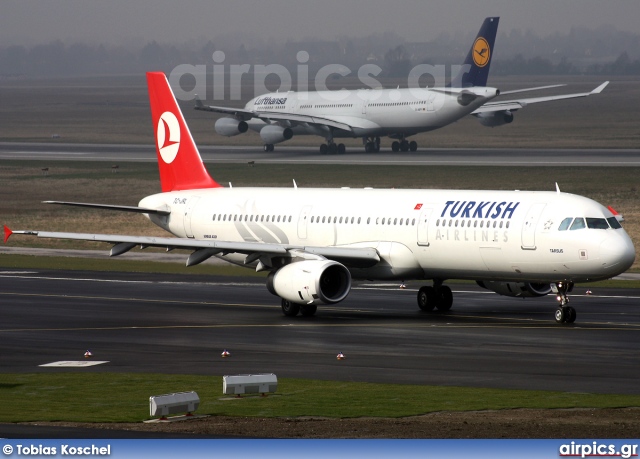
(310,155)
(180,324)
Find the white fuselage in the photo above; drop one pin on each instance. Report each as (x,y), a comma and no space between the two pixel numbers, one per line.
(421,234)
(372,112)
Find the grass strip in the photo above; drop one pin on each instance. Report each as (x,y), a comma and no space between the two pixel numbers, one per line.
(122,397)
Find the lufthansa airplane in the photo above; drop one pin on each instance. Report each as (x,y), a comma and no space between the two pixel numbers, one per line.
(371,114)
(313,241)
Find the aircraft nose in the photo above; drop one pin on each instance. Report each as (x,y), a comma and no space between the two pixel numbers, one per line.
(617,253)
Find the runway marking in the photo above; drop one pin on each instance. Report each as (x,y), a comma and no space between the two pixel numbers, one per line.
(74,363)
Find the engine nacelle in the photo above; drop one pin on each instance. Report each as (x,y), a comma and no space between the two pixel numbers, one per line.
(493,119)
(273,133)
(229,127)
(521,289)
(311,282)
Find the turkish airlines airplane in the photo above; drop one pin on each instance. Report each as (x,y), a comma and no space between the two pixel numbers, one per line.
(374,113)
(314,241)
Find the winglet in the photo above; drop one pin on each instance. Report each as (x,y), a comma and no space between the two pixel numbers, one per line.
(599,89)
(7,233)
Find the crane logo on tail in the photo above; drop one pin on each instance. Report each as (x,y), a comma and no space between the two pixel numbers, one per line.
(168,136)
(481,52)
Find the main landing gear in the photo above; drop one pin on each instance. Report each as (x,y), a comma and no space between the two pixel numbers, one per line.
(371,144)
(404,145)
(290,309)
(332,148)
(268,147)
(439,297)
(564,314)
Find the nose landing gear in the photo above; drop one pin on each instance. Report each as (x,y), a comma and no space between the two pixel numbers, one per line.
(564,313)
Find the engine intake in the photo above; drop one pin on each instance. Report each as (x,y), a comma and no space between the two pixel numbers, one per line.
(311,282)
(520,289)
(272,134)
(229,127)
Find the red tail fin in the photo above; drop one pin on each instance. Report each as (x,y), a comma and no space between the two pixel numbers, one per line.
(179,161)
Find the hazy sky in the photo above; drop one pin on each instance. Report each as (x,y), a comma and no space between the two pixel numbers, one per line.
(115,21)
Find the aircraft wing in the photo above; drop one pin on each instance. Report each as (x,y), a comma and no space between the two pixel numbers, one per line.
(356,257)
(293,118)
(513,105)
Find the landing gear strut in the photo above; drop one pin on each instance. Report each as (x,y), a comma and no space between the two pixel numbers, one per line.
(439,296)
(564,313)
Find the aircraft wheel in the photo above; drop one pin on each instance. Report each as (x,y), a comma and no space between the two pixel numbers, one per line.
(307,310)
(445,298)
(427,298)
(413,145)
(290,309)
(323,149)
(560,315)
(395,146)
(341,149)
(570,314)
(404,145)
(332,149)
(268,147)
(368,147)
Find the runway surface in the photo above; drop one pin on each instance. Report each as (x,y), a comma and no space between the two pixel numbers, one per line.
(310,155)
(180,324)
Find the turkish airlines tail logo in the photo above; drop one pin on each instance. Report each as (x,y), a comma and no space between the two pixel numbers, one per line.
(168,136)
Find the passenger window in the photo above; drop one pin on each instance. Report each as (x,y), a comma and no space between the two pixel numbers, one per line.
(578,223)
(565,224)
(597,223)
(613,221)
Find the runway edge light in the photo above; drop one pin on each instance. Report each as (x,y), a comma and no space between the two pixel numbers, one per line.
(340,356)
(88,354)
(225,353)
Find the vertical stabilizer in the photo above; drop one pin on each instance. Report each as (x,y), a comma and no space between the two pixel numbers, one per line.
(179,161)
(475,70)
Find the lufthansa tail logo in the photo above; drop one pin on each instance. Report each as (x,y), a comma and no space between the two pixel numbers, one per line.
(481,52)
(168,136)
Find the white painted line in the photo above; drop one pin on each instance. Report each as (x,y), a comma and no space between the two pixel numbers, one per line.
(74,363)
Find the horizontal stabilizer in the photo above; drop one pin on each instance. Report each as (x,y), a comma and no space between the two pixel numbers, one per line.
(140,210)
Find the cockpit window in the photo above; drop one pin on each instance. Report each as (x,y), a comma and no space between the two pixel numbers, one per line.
(565,224)
(597,223)
(615,224)
(577,224)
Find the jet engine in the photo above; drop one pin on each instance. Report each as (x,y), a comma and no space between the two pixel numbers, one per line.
(311,282)
(273,133)
(521,289)
(494,119)
(229,127)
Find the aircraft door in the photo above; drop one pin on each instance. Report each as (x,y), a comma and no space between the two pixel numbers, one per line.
(188,214)
(430,106)
(529,226)
(423,226)
(303,220)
